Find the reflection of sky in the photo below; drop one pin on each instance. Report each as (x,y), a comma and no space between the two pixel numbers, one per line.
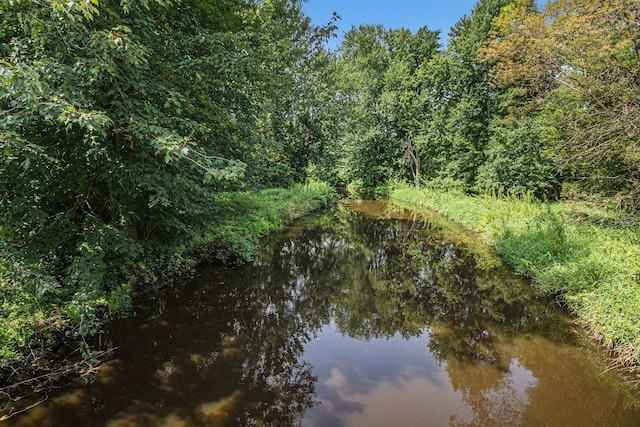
(395,381)
(380,382)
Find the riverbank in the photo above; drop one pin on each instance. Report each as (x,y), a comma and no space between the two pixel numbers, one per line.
(587,254)
(34,326)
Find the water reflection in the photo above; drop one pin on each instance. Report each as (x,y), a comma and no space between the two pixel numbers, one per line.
(364,316)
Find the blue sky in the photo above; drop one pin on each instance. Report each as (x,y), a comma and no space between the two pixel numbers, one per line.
(412,14)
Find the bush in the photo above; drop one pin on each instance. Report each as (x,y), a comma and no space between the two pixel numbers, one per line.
(104,267)
(515,163)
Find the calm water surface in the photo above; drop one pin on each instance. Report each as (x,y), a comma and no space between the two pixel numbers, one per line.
(363,316)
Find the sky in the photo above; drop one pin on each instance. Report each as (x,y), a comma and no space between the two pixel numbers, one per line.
(411,14)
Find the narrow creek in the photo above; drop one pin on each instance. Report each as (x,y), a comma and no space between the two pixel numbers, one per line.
(364,315)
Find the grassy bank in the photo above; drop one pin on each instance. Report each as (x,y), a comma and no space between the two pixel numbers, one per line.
(588,254)
(39,311)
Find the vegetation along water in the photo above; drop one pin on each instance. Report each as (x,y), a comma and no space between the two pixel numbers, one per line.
(141,138)
(589,256)
(365,315)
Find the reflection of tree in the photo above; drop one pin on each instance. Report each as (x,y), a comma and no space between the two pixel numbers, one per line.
(378,277)
(390,273)
(228,351)
(219,355)
(384,276)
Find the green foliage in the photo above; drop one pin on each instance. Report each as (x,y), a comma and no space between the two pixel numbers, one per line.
(100,287)
(515,163)
(408,110)
(411,111)
(462,101)
(120,125)
(567,248)
(355,189)
(245,217)
(297,121)
(577,60)
(379,105)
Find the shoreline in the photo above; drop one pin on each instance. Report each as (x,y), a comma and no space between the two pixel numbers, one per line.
(59,352)
(579,252)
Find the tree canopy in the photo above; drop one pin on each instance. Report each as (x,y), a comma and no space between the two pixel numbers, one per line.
(120,123)
(413,110)
(522,100)
(579,63)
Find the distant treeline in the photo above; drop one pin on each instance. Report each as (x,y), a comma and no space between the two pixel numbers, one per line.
(521,100)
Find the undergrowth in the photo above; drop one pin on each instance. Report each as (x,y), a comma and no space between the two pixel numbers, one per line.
(39,308)
(588,254)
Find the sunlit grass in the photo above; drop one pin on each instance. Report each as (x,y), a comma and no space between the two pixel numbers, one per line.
(588,254)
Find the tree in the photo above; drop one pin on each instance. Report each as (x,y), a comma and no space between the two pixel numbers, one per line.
(462,99)
(579,60)
(405,95)
(120,121)
(294,119)
(382,98)
(516,162)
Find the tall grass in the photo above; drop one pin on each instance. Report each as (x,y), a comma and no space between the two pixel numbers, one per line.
(588,254)
(244,217)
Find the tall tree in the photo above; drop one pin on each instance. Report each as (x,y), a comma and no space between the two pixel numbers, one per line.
(463,100)
(405,95)
(120,120)
(297,119)
(580,61)
(380,84)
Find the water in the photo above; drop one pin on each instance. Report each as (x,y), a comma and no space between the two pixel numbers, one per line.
(363,316)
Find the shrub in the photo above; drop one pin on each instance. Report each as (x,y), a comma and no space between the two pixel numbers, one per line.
(515,163)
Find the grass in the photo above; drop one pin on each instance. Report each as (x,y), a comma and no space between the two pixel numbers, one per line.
(245,217)
(589,254)
(35,312)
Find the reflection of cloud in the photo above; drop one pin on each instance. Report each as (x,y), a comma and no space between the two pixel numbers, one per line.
(410,400)
(218,410)
(382,382)
(143,418)
(336,380)
(509,400)
(522,378)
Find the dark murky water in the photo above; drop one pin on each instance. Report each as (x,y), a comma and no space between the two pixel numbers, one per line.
(364,316)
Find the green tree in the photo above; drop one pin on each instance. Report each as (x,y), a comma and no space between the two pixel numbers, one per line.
(516,162)
(405,94)
(381,96)
(462,98)
(293,119)
(121,121)
(368,159)
(578,60)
